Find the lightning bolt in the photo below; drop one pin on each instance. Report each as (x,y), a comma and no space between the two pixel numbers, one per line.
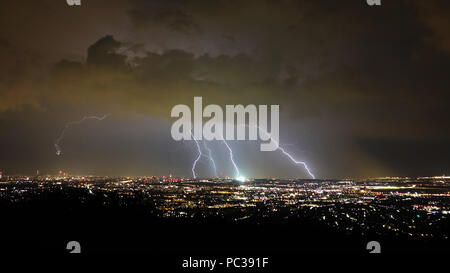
(287,154)
(69,124)
(211,158)
(200,154)
(198,157)
(295,161)
(231,158)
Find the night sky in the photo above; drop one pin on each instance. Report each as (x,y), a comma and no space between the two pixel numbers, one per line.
(363,90)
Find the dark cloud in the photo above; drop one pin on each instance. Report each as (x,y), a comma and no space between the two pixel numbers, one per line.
(168,14)
(345,74)
(435,15)
(104,53)
(430,155)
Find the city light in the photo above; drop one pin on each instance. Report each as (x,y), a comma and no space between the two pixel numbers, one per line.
(241,179)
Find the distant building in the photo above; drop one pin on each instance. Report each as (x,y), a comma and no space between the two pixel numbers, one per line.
(261,180)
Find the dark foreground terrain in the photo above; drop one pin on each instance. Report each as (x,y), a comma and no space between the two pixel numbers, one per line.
(132,225)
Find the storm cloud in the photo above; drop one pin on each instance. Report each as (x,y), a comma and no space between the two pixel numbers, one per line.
(350,79)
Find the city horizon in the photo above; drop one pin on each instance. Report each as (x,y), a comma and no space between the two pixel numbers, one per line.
(63,173)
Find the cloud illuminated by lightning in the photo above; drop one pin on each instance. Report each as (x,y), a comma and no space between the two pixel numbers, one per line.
(61,136)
